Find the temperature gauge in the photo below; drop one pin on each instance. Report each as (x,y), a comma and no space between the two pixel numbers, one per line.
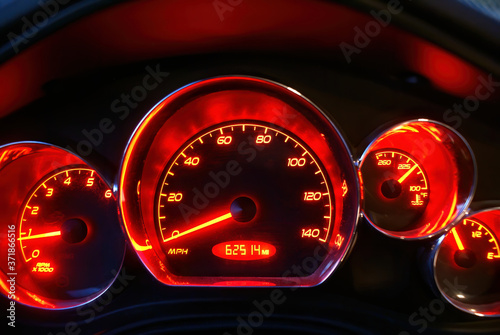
(397,186)
(418,177)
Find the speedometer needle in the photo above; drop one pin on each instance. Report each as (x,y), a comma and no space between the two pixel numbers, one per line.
(457,239)
(403,177)
(54,233)
(201,226)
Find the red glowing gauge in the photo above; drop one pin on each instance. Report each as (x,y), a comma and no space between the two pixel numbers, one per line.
(66,242)
(241,182)
(467,264)
(403,191)
(418,178)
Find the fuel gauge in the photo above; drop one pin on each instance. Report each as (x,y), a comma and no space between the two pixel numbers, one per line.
(467,264)
(474,242)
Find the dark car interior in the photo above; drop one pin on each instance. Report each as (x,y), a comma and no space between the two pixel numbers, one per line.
(126,96)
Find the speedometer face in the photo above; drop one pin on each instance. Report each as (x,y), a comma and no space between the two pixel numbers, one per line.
(243,199)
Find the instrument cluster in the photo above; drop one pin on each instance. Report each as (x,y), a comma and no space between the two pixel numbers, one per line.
(239,181)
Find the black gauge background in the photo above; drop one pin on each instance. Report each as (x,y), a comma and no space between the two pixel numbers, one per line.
(381,280)
(278,220)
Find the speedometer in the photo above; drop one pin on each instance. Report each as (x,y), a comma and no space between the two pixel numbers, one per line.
(239,181)
(243,199)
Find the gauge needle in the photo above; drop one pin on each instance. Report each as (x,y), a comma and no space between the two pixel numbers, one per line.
(403,177)
(201,226)
(54,233)
(457,239)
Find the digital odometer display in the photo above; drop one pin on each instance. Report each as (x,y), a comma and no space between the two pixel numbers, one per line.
(243,199)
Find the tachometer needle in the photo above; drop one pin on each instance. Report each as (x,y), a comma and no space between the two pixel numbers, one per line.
(54,233)
(403,177)
(457,239)
(201,226)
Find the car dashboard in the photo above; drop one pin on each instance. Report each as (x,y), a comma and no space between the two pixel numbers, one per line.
(235,167)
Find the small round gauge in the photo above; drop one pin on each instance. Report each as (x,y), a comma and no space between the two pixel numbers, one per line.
(467,264)
(418,177)
(62,234)
(243,181)
(240,182)
(65,245)
(396,189)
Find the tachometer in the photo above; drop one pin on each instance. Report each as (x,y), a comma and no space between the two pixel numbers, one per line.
(62,233)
